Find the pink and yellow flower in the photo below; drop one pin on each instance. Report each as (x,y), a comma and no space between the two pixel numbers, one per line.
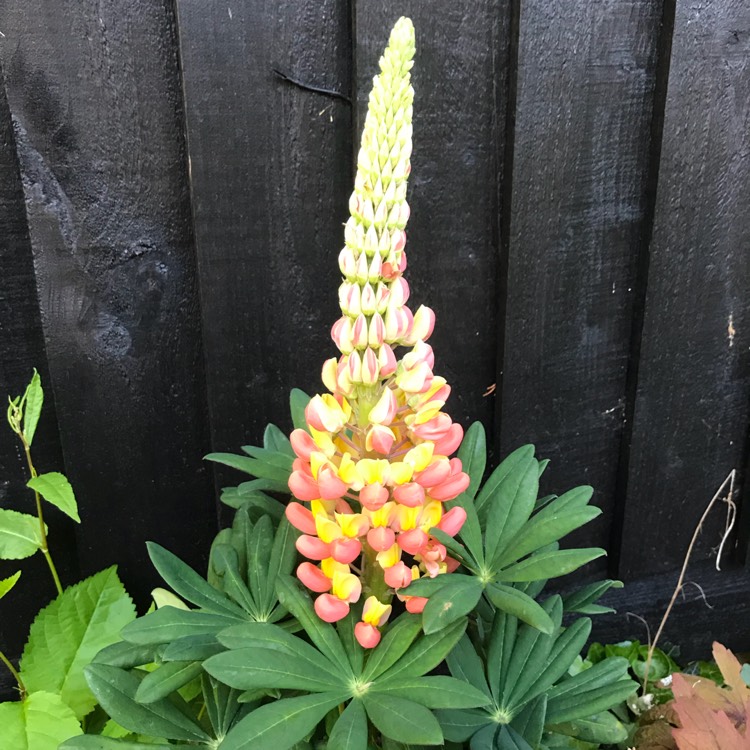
(374,464)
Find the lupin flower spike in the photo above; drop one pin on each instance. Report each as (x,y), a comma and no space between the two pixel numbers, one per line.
(373,467)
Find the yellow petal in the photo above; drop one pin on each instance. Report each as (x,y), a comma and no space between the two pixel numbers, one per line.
(390,557)
(420,456)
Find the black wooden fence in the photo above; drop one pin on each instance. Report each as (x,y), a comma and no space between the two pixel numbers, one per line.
(170,218)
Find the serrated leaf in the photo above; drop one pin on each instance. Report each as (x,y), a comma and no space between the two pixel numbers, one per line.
(298,401)
(281,724)
(68,633)
(520,605)
(168,624)
(550,564)
(189,584)
(350,730)
(40,722)
(115,689)
(450,603)
(402,720)
(8,583)
(56,490)
(32,402)
(20,535)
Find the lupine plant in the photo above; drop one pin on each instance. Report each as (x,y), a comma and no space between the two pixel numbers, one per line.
(394,600)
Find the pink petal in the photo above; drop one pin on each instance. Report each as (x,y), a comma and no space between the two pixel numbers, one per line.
(367,635)
(301,518)
(313,577)
(331,609)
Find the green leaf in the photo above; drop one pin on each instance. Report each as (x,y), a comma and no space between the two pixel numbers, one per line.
(451,602)
(20,535)
(271,457)
(298,401)
(433,692)
(41,722)
(458,726)
(563,653)
(465,664)
(520,605)
(115,689)
(402,720)
(350,730)
(519,457)
(275,440)
(169,623)
(583,600)
(582,704)
(600,729)
(192,648)
(355,652)
(509,739)
(221,703)
(500,649)
(127,655)
(322,634)
(281,724)
(226,562)
(283,557)
(251,466)
(454,547)
(473,455)
(259,544)
(56,490)
(188,584)
(552,523)
(485,738)
(550,564)
(529,722)
(510,507)
(426,653)
(258,667)
(31,404)
(253,499)
(97,742)
(6,584)
(397,640)
(167,679)
(68,633)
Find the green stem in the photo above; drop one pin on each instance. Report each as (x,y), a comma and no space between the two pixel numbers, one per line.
(5,660)
(373,583)
(42,532)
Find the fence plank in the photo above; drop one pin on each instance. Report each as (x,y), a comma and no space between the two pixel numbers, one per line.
(94,87)
(270,178)
(459,111)
(585,81)
(22,349)
(692,406)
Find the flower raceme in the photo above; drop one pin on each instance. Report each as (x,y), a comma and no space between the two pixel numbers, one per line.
(373,468)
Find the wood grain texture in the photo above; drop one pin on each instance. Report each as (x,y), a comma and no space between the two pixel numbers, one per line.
(585,81)
(718,610)
(270,178)
(692,407)
(22,349)
(94,89)
(459,112)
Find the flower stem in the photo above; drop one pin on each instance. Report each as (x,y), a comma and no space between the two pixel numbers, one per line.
(5,660)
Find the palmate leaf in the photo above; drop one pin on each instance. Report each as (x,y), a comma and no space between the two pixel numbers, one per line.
(115,690)
(20,535)
(433,691)
(403,720)
(281,724)
(167,679)
(169,623)
(350,730)
(40,722)
(298,401)
(68,633)
(98,742)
